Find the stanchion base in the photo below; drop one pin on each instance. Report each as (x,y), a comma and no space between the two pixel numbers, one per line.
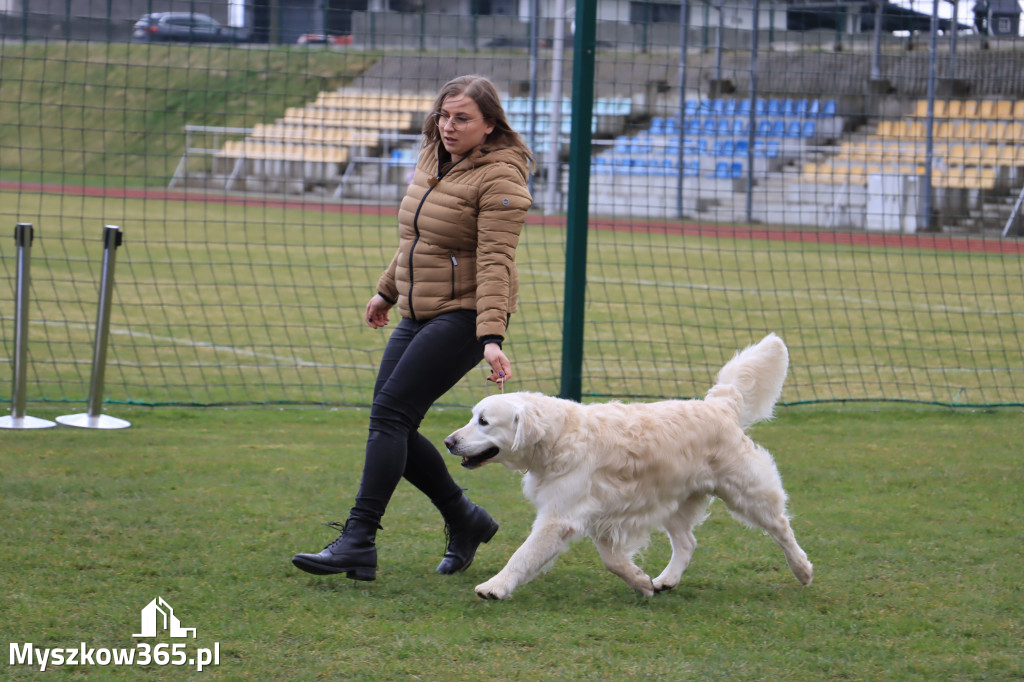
(88,421)
(25,422)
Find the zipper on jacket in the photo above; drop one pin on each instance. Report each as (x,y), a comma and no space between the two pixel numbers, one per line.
(416,228)
(455,264)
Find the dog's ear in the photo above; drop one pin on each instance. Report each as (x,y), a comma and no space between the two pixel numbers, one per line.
(527,425)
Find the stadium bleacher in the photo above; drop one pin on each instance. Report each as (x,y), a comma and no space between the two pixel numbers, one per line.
(976,144)
(714,128)
(314,143)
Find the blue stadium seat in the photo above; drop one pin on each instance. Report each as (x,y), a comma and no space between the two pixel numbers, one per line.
(766,148)
(788,107)
(808,129)
(801,108)
(726,170)
(599,164)
(741,148)
(778,127)
(724,126)
(829,108)
(691,169)
(793,129)
(708,127)
(725,148)
(739,126)
(774,107)
(640,145)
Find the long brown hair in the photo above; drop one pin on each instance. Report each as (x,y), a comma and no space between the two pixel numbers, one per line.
(482,91)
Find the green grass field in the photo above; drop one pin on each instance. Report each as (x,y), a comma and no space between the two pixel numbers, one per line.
(910,515)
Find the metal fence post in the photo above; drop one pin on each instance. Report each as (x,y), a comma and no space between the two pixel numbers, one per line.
(579,199)
(23,236)
(94,419)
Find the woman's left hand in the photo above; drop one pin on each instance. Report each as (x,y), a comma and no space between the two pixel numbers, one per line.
(501,368)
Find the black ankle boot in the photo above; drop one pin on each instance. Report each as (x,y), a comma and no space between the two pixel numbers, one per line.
(353,553)
(466,526)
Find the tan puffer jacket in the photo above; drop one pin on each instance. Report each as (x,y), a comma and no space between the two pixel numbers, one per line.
(458,231)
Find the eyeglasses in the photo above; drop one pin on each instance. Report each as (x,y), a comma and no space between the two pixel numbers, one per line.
(458,122)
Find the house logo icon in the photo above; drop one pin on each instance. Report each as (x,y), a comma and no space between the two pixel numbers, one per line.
(158,614)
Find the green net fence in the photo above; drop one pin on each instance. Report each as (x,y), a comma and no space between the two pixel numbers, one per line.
(854,189)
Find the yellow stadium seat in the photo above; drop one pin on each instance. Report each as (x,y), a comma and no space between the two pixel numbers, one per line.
(990,155)
(961,132)
(1007,156)
(1018,110)
(987,108)
(971,109)
(973,154)
(954,109)
(988,178)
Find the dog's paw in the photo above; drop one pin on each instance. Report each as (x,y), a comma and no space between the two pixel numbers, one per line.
(647,589)
(662,586)
(492,589)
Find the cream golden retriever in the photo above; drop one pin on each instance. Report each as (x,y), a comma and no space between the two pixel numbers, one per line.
(614,472)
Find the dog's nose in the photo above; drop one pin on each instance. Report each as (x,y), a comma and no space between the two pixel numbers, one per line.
(449,442)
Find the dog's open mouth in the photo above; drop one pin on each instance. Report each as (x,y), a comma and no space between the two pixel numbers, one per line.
(479,460)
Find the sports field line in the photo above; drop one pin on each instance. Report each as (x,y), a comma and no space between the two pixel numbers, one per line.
(779,293)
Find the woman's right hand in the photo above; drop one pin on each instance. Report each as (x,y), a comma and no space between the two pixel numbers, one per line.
(377,311)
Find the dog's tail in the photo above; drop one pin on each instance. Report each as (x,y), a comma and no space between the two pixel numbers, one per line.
(754,378)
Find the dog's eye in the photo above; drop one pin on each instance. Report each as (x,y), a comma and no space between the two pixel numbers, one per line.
(481,421)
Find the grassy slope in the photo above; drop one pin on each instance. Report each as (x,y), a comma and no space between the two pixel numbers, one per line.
(115,114)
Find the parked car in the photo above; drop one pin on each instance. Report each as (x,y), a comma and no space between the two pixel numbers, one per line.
(322,39)
(184,27)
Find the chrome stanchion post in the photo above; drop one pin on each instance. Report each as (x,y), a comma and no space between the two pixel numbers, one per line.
(94,419)
(23,236)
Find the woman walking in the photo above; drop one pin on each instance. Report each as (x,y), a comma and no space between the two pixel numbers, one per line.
(453,279)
